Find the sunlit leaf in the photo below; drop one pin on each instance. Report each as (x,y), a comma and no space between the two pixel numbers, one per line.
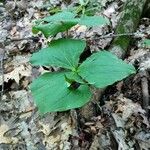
(60,53)
(103,69)
(63,21)
(51,93)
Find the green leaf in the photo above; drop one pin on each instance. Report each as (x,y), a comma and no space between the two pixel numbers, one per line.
(103,69)
(52,25)
(62,16)
(93,21)
(63,21)
(49,29)
(51,93)
(60,53)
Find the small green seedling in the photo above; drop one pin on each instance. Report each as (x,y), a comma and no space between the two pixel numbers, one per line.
(70,88)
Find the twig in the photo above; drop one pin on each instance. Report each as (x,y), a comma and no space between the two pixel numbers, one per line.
(2,73)
(111,35)
(27,111)
(144,85)
(21,39)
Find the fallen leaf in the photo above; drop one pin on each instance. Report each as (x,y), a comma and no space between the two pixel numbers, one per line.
(21,68)
(6,139)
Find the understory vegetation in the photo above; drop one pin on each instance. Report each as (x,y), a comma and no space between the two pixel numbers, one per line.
(74,74)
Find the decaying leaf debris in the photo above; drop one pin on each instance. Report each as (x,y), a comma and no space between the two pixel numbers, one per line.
(121,121)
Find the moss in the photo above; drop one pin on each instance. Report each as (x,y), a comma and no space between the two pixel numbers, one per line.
(128,22)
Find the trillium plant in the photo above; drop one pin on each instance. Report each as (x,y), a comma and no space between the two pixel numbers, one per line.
(70,87)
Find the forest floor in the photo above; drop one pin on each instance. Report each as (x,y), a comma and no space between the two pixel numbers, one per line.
(121,122)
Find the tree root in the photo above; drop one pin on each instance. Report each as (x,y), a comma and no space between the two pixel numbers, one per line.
(145,91)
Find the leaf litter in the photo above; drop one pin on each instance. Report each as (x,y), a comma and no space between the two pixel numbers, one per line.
(121,122)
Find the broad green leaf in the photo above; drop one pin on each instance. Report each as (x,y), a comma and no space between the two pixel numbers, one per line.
(62,16)
(103,69)
(52,25)
(63,21)
(51,93)
(93,21)
(60,53)
(49,29)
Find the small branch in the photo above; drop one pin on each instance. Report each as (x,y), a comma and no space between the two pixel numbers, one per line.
(21,39)
(2,73)
(145,91)
(111,35)
(27,111)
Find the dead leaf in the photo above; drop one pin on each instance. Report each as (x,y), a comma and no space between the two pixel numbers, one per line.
(143,140)
(20,68)
(128,107)
(120,137)
(22,100)
(4,139)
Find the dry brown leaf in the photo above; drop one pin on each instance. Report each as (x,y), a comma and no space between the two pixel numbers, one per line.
(22,100)
(3,139)
(59,136)
(128,107)
(21,68)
